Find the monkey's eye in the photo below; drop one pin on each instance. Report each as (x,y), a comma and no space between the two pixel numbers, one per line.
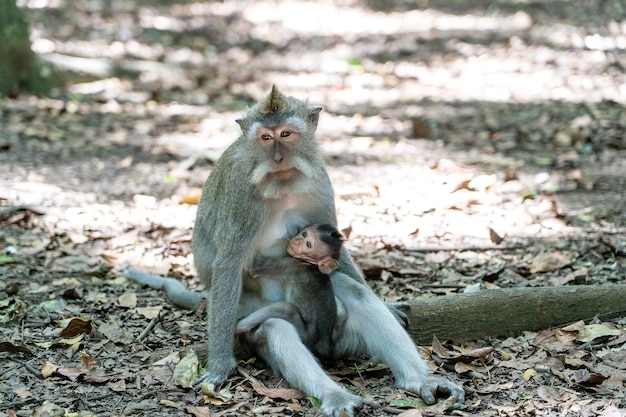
(285,133)
(309,244)
(266,136)
(304,234)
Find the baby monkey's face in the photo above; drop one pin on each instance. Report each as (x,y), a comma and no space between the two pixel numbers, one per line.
(308,245)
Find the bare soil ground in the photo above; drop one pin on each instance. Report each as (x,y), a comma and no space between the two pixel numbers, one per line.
(470,148)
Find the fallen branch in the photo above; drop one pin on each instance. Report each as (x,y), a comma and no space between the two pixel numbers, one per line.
(462,248)
(510,311)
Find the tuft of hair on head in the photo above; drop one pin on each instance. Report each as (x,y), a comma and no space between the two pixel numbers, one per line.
(275,103)
(277,108)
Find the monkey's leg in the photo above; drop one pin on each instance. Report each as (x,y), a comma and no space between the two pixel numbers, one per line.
(277,310)
(372,328)
(278,343)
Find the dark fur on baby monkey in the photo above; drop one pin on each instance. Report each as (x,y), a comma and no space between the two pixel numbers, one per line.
(309,301)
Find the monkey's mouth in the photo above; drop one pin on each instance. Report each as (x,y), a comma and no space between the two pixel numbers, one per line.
(284,174)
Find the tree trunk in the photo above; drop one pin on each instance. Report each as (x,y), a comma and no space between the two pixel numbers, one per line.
(508,312)
(17,61)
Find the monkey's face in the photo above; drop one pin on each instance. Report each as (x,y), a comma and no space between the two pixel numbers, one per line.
(279,145)
(285,157)
(308,246)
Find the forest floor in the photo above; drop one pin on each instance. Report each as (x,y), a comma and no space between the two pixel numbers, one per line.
(469,148)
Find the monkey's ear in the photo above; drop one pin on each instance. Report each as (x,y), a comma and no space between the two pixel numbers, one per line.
(314,116)
(327,265)
(244,123)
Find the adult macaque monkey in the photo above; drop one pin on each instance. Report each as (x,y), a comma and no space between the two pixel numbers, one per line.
(268,184)
(309,302)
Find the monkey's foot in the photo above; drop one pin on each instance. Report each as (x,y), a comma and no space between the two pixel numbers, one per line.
(432,387)
(342,401)
(217,373)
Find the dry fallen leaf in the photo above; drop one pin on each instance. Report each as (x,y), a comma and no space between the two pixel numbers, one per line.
(411,413)
(71,373)
(282,393)
(117,386)
(530,373)
(128,300)
(593,331)
(192,198)
(162,370)
(126,162)
(87,362)
(584,377)
(549,261)
(495,237)
(467,356)
(186,371)
(76,327)
(215,397)
(578,326)
(22,392)
(48,369)
(116,333)
(199,411)
(149,312)
(483,182)
(10,347)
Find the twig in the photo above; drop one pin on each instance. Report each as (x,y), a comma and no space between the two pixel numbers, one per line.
(32,370)
(29,368)
(21,403)
(232,410)
(443,286)
(249,377)
(159,391)
(392,410)
(151,325)
(570,236)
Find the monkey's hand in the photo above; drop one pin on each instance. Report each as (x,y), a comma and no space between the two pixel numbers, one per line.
(433,387)
(341,403)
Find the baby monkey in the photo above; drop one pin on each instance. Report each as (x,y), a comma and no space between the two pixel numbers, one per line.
(308,300)
(318,244)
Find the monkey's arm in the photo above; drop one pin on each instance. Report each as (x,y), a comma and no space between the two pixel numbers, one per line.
(229,217)
(176,292)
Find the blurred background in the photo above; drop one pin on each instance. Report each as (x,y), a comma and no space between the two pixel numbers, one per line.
(510,113)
